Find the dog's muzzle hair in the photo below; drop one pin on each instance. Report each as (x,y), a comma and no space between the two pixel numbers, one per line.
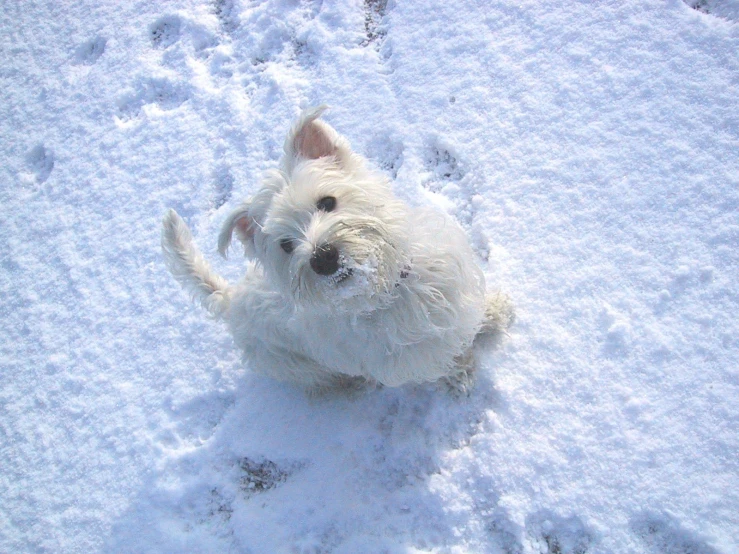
(354,267)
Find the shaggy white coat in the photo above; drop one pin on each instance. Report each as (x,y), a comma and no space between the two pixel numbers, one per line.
(404,305)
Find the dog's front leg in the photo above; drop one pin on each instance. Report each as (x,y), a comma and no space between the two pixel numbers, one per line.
(286,365)
(461,381)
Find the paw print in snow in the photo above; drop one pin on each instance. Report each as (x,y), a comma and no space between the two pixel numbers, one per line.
(443,167)
(716,8)
(40,162)
(551,534)
(388,154)
(165,31)
(663,534)
(223,185)
(227,15)
(263,475)
(89,52)
(374,13)
(161,92)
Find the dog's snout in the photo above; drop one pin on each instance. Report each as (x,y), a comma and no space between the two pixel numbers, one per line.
(325,260)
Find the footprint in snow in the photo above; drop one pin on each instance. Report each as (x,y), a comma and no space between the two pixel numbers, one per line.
(446,175)
(260,476)
(716,8)
(374,13)
(165,31)
(503,535)
(388,154)
(663,534)
(89,52)
(228,17)
(443,167)
(161,92)
(223,183)
(40,162)
(551,534)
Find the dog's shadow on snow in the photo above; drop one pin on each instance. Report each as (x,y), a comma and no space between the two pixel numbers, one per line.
(266,468)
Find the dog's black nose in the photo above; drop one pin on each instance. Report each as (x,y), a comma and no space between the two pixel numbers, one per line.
(325,260)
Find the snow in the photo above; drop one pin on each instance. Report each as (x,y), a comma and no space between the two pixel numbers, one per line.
(589,149)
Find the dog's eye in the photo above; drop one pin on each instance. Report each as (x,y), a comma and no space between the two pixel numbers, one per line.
(287,245)
(326,204)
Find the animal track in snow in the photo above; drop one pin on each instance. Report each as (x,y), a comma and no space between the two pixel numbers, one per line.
(287,51)
(228,19)
(256,476)
(223,184)
(162,92)
(40,162)
(374,13)
(284,37)
(443,167)
(443,175)
(165,31)
(89,52)
(388,154)
(301,53)
(717,8)
(219,506)
(551,534)
(664,535)
(263,475)
(503,534)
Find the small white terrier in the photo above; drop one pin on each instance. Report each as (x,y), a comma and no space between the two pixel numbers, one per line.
(346,284)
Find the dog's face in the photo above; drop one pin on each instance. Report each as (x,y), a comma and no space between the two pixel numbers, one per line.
(327,231)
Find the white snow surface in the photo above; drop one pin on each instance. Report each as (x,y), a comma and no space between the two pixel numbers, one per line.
(589,149)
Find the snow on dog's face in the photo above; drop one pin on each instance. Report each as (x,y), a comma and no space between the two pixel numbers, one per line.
(326,230)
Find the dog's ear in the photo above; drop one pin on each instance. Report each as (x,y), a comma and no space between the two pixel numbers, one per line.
(311,139)
(245,227)
(247,219)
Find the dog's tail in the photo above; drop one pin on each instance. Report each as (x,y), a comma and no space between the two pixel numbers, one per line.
(190,268)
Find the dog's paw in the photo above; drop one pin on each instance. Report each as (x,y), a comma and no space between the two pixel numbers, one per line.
(460,383)
(341,384)
(354,385)
(499,313)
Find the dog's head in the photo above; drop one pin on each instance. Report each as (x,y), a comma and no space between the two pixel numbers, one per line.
(326,229)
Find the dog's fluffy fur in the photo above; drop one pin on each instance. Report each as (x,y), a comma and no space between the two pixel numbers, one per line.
(345,283)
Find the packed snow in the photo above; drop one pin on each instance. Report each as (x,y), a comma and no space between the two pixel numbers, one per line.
(589,149)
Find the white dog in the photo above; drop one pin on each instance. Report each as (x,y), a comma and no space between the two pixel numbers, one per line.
(346,284)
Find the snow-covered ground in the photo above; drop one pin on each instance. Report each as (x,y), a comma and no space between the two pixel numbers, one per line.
(589,149)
